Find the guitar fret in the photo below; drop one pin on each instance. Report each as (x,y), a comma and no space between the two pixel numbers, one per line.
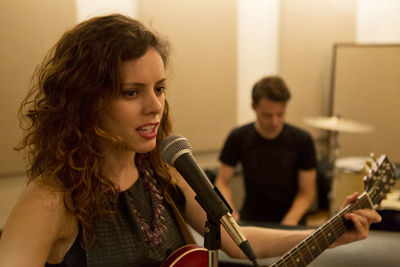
(283,260)
(292,259)
(315,249)
(310,248)
(307,255)
(298,257)
(367,201)
(331,235)
(322,239)
(340,227)
(326,243)
(314,245)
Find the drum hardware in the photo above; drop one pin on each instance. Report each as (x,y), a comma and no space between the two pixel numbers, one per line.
(335,125)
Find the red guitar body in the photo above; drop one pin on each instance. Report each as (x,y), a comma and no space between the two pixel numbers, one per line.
(189,255)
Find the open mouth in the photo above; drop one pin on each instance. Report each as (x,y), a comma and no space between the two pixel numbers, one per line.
(147,129)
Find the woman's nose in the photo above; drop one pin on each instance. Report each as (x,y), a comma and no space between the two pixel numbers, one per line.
(154,103)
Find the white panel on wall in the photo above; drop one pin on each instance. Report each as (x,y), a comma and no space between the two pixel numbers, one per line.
(89,8)
(258,36)
(378,21)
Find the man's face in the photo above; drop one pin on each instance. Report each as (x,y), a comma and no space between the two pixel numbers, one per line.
(270,117)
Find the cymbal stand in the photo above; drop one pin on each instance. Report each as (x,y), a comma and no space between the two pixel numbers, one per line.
(333,152)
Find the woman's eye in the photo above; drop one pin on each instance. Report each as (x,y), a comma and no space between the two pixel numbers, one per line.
(130,92)
(159,89)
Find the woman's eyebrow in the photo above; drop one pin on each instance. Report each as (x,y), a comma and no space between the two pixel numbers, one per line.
(139,84)
(162,80)
(135,84)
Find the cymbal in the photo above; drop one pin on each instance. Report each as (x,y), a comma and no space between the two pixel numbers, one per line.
(336,123)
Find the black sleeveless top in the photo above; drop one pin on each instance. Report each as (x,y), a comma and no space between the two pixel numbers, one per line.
(121,242)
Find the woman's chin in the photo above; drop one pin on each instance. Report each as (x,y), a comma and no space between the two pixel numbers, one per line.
(146,148)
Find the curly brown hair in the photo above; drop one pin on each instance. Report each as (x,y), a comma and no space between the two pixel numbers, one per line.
(77,80)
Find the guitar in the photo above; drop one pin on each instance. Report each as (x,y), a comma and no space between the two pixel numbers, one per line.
(189,255)
(381,178)
(378,182)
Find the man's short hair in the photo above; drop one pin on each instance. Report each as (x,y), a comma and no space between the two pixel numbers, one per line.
(272,88)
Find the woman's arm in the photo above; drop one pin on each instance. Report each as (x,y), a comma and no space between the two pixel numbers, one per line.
(37,230)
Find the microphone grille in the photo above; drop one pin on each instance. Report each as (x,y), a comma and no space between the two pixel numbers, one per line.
(173,146)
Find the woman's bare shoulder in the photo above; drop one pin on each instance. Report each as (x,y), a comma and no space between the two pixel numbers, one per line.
(49,197)
(38,200)
(37,222)
(40,205)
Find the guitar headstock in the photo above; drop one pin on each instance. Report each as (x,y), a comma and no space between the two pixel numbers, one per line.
(381,177)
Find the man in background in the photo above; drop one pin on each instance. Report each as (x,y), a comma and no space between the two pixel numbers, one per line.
(278,161)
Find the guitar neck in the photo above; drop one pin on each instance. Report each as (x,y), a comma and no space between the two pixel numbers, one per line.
(308,249)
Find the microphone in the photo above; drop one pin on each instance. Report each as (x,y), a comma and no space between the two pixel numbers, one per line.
(176,151)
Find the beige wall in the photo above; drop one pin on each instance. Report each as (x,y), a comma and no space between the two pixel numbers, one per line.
(308,31)
(28,29)
(202,89)
(366,86)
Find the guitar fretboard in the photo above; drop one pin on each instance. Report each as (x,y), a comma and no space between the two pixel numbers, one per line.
(307,250)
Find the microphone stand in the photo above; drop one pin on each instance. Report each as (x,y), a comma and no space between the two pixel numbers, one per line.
(212,235)
(212,240)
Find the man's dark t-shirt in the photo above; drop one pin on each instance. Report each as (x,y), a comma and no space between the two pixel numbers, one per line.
(270,168)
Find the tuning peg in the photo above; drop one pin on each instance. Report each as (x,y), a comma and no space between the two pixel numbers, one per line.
(365,169)
(374,160)
(372,156)
(366,181)
(369,163)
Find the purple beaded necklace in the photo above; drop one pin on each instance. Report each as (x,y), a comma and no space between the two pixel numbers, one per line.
(153,232)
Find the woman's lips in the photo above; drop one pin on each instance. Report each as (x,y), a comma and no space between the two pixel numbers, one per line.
(148,131)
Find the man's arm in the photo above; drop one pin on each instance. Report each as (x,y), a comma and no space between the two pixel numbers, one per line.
(304,198)
(223,182)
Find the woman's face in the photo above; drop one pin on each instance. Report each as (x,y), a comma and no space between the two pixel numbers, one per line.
(136,114)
